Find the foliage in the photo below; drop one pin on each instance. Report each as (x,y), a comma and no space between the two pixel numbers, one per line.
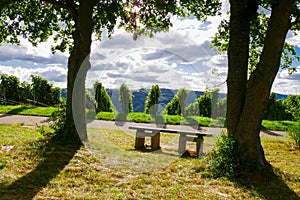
(25,90)
(173,107)
(72,23)
(204,103)
(258,32)
(221,107)
(140,117)
(90,101)
(39,92)
(109,116)
(177,105)
(9,89)
(103,100)
(208,105)
(173,119)
(125,99)
(214,103)
(192,109)
(293,106)
(276,109)
(294,134)
(58,122)
(151,103)
(223,160)
(43,92)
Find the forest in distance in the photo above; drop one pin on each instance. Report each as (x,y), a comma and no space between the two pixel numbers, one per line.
(41,92)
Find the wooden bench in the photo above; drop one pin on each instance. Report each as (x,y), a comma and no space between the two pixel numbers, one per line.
(154,134)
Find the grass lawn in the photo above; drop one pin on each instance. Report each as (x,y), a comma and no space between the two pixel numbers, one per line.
(27,110)
(111,169)
(146,118)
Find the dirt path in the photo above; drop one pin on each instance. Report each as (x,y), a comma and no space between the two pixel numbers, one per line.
(34,120)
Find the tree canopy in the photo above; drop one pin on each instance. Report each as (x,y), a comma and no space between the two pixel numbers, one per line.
(72,22)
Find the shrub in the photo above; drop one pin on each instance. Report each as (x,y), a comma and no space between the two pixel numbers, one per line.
(173,119)
(109,116)
(140,117)
(294,134)
(223,160)
(58,121)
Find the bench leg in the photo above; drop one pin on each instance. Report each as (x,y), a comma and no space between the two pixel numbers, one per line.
(182,144)
(155,141)
(199,146)
(139,140)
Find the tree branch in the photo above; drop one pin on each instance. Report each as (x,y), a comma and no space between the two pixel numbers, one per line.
(70,6)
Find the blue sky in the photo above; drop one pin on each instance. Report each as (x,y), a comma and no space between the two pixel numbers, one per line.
(180,58)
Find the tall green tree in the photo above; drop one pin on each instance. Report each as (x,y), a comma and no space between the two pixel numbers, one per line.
(43,92)
(293,106)
(26,92)
(125,99)
(276,109)
(214,103)
(177,105)
(10,89)
(255,44)
(204,103)
(103,100)
(151,103)
(72,23)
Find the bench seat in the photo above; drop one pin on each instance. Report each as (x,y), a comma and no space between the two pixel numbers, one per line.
(154,134)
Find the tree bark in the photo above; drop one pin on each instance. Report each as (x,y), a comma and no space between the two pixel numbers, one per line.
(249,113)
(78,65)
(242,11)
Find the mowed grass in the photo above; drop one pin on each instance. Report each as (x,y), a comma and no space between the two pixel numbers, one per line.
(146,118)
(110,168)
(27,110)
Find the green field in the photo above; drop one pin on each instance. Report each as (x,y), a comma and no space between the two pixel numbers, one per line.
(146,118)
(32,168)
(27,110)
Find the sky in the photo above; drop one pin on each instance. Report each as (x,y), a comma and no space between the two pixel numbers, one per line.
(180,58)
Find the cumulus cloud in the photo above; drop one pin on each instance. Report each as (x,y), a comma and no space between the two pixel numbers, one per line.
(54,74)
(179,58)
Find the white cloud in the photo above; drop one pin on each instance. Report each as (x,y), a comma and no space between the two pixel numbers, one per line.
(179,58)
(54,74)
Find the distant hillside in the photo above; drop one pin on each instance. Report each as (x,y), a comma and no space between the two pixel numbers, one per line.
(139,97)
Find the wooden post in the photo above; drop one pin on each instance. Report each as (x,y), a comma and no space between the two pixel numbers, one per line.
(155,140)
(140,139)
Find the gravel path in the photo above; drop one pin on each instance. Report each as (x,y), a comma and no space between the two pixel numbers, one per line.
(34,120)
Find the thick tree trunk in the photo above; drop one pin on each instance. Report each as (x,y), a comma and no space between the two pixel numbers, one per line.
(242,11)
(247,127)
(78,65)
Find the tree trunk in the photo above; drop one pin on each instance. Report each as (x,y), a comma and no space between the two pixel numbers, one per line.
(238,53)
(247,128)
(78,65)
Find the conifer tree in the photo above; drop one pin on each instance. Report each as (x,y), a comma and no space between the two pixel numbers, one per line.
(125,99)
(103,100)
(151,103)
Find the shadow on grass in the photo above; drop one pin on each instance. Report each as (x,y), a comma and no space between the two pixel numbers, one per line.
(54,159)
(273,189)
(18,110)
(15,111)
